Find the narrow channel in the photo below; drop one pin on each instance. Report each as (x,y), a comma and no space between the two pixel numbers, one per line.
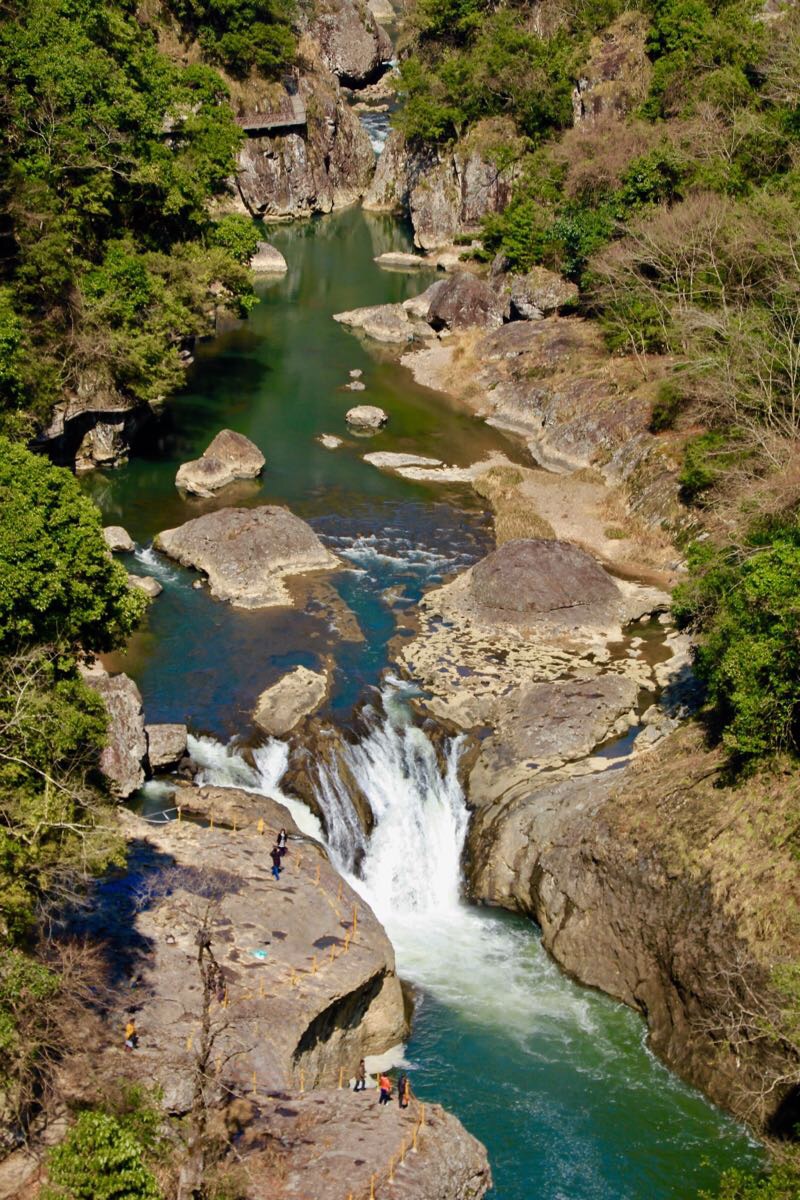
(554,1079)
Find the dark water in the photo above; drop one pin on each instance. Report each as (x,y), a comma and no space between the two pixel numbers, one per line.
(554,1079)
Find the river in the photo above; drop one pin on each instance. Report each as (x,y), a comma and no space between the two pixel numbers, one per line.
(555,1080)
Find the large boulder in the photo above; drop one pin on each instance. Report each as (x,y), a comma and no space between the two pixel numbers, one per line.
(147,584)
(284,704)
(267,260)
(118,540)
(247,553)
(539,293)
(419,306)
(367,416)
(466,301)
(352,43)
(230,456)
(545,578)
(166,745)
(123,758)
(382,322)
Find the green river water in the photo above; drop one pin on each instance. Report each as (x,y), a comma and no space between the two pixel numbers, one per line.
(554,1079)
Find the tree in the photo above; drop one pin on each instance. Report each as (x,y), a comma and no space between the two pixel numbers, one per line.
(99,1160)
(58,583)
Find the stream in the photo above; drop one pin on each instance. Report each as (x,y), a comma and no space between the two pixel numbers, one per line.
(556,1080)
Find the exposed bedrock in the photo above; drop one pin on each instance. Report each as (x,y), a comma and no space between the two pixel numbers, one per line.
(124,756)
(353,46)
(248,553)
(324,164)
(656,886)
(446,192)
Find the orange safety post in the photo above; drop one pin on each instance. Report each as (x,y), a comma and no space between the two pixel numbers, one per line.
(234,822)
(422,1114)
(402,1152)
(338,894)
(391,1170)
(341,1076)
(414,1139)
(332,953)
(225,1000)
(313,964)
(355,919)
(254,1083)
(316,881)
(189,1042)
(302,1081)
(347,941)
(372,1187)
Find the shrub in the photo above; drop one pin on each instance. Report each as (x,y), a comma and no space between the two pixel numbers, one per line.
(99,1160)
(666,406)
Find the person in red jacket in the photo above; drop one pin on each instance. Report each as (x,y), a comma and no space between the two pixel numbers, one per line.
(384,1083)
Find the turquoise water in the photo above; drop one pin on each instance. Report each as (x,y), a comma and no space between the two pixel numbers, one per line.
(554,1079)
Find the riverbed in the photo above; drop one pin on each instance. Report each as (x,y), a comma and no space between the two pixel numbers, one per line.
(554,1079)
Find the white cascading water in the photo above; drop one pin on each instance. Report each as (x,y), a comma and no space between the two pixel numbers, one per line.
(410,869)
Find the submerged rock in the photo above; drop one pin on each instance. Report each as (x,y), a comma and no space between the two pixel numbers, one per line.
(330,441)
(118,540)
(466,301)
(267,260)
(396,260)
(166,745)
(247,553)
(284,704)
(366,416)
(230,456)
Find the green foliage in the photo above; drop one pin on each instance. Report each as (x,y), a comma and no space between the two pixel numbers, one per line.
(666,407)
(110,262)
(251,33)
(745,603)
(58,584)
(705,458)
(100,1160)
(782,1183)
(237,235)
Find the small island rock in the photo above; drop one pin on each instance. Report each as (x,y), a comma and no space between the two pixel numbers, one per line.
(230,456)
(366,416)
(118,540)
(397,260)
(268,261)
(147,584)
(382,322)
(248,552)
(281,706)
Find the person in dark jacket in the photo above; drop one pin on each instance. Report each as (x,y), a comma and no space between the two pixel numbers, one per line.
(403,1091)
(275,855)
(361,1077)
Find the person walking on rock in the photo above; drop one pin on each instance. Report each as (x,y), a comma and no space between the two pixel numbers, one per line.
(131,1036)
(384,1083)
(403,1091)
(275,855)
(281,842)
(361,1077)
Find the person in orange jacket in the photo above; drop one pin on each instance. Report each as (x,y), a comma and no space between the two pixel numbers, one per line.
(384,1083)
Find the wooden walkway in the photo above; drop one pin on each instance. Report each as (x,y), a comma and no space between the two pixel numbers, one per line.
(257,124)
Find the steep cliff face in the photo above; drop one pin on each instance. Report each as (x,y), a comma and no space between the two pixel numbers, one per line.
(328,163)
(445,191)
(672,893)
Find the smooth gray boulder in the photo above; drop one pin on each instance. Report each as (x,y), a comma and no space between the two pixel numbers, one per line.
(382,322)
(166,745)
(539,293)
(247,553)
(118,540)
(538,577)
(230,456)
(147,584)
(419,306)
(465,302)
(398,260)
(284,704)
(366,416)
(122,760)
(267,260)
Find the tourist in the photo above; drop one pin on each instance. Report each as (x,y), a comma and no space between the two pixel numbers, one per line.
(361,1077)
(275,855)
(131,1036)
(281,843)
(384,1083)
(403,1091)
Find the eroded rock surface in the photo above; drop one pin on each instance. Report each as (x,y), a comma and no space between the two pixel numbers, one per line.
(284,704)
(229,456)
(466,301)
(352,43)
(247,553)
(166,745)
(122,759)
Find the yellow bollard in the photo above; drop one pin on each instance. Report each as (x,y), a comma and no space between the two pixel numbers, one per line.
(355,920)
(422,1114)
(302,1081)
(391,1170)
(189,1042)
(414,1139)
(234,822)
(372,1187)
(332,953)
(338,894)
(316,881)
(347,942)
(179,813)
(260,826)
(341,1077)
(402,1152)
(254,1083)
(211,821)
(225,1001)
(314,964)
